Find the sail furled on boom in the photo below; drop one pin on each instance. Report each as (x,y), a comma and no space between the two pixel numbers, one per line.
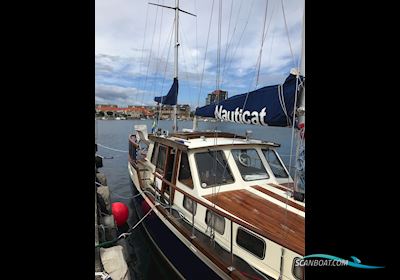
(270,105)
(172,96)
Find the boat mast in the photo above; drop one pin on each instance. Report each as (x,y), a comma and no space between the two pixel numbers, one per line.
(176,8)
(175,128)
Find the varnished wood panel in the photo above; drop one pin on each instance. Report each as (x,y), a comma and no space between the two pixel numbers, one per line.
(288,185)
(168,142)
(198,134)
(281,187)
(275,222)
(279,197)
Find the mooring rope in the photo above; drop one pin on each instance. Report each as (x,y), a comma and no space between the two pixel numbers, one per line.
(112,149)
(125,234)
(103,275)
(117,194)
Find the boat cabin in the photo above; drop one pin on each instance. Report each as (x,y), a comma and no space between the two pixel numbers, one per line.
(229,189)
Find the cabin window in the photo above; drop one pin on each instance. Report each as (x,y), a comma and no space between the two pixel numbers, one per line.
(275,164)
(185,176)
(297,270)
(213,169)
(215,221)
(189,205)
(154,154)
(250,243)
(162,152)
(249,164)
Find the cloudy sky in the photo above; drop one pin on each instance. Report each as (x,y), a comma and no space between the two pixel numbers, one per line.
(134,55)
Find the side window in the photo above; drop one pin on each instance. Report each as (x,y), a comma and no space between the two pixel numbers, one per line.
(189,205)
(250,243)
(185,176)
(162,151)
(275,164)
(297,270)
(216,221)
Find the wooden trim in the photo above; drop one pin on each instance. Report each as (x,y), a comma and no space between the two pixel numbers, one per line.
(279,197)
(208,134)
(232,218)
(167,159)
(168,142)
(175,173)
(234,145)
(288,185)
(281,187)
(271,221)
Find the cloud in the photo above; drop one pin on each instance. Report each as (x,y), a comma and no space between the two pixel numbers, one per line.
(134,47)
(122,96)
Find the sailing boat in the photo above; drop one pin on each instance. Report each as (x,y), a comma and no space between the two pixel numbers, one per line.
(219,205)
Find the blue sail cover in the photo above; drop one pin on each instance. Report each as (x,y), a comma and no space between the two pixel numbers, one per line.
(264,106)
(171,97)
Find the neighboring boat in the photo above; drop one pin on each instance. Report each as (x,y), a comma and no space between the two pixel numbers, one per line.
(223,206)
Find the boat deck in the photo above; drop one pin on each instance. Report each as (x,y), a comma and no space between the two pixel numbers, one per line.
(279,225)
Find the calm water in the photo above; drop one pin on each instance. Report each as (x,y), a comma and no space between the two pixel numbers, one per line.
(146,262)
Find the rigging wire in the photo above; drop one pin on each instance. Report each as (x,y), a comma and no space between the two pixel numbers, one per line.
(183,56)
(205,53)
(158,49)
(227,36)
(150,54)
(197,50)
(219,45)
(144,40)
(230,41)
(290,158)
(194,57)
(287,33)
(165,69)
(264,35)
(241,36)
(300,147)
(245,101)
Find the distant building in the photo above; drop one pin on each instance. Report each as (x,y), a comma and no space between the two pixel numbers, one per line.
(106,105)
(167,111)
(131,112)
(136,112)
(216,96)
